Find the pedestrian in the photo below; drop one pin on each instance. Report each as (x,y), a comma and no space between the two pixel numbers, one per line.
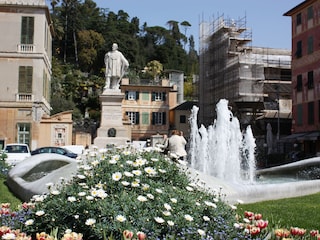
(177,145)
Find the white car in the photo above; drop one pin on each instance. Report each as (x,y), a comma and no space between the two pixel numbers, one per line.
(16,152)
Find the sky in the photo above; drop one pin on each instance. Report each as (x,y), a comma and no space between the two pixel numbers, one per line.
(264,17)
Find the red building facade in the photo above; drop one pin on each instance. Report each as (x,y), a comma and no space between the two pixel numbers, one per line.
(305,65)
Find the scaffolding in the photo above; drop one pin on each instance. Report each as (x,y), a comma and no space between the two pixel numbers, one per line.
(230,68)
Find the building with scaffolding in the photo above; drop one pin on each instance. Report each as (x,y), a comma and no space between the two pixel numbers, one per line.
(255,80)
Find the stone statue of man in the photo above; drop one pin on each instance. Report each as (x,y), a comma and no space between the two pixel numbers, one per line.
(116,65)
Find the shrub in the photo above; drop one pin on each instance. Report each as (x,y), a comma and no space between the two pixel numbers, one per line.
(140,192)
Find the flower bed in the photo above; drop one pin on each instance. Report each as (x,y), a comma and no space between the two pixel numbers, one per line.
(134,195)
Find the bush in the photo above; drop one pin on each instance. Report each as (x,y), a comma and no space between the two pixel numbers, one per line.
(137,192)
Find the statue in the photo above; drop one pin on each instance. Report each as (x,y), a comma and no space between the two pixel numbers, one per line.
(116,65)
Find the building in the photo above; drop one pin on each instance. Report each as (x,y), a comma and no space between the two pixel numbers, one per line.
(305,26)
(146,105)
(25,66)
(253,79)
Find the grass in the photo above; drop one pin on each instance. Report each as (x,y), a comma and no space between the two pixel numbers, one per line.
(302,212)
(6,196)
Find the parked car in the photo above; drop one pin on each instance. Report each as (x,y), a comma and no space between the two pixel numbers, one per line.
(57,150)
(16,152)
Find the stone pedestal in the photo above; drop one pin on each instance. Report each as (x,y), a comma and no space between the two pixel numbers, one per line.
(113,129)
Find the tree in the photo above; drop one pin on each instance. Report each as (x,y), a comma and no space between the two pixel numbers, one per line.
(154,68)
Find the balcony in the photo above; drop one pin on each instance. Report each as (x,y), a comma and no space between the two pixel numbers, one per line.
(24,97)
(26,48)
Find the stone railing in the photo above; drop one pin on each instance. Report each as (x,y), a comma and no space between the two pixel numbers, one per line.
(26,48)
(24,97)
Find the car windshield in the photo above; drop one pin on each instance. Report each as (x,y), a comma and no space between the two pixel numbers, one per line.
(16,149)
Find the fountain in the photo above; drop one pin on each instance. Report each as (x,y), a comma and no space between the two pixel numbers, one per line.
(223,157)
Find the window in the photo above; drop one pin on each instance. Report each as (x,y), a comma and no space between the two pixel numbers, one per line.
(27,29)
(310,80)
(133,117)
(310,12)
(158,96)
(145,118)
(299,49)
(298,19)
(310,44)
(183,119)
(310,113)
(145,96)
(25,79)
(158,118)
(299,83)
(132,95)
(299,118)
(23,133)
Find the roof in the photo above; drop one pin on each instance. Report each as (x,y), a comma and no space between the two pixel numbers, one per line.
(298,7)
(187,105)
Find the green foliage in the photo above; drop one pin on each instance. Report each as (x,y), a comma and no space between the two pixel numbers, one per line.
(136,191)
(6,196)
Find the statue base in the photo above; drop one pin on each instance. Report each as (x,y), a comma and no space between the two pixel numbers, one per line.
(114,130)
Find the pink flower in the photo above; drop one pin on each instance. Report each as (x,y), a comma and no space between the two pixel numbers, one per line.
(127,234)
(297,231)
(314,233)
(141,235)
(261,224)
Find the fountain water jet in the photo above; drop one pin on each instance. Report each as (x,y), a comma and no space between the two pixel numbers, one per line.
(222,150)
(222,157)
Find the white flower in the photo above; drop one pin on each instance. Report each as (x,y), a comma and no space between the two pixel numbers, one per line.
(190,189)
(55,192)
(170,223)
(128,174)
(158,190)
(166,213)
(112,161)
(137,172)
(81,194)
(246,220)
(40,213)
(89,198)
(201,232)
(129,162)
(142,198)
(90,221)
(188,217)
(71,199)
(174,200)
(150,171)
(206,218)
(145,187)
(80,176)
(140,162)
(94,163)
(29,222)
(167,206)
(210,204)
(76,216)
(237,225)
(125,183)
(159,220)
(116,157)
(149,195)
(8,236)
(121,218)
(198,204)
(135,183)
(162,171)
(102,194)
(240,201)
(233,207)
(116,176)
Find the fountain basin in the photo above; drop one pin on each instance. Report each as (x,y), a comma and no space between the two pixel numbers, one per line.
(32,176)
(257,191)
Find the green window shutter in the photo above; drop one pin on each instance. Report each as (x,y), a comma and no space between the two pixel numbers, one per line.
(153,97)
(126,95)
(137,95)
(145,96)
(27,30)
(164,119)
(164,96)
(137,118)
(145,118)
(25,79)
